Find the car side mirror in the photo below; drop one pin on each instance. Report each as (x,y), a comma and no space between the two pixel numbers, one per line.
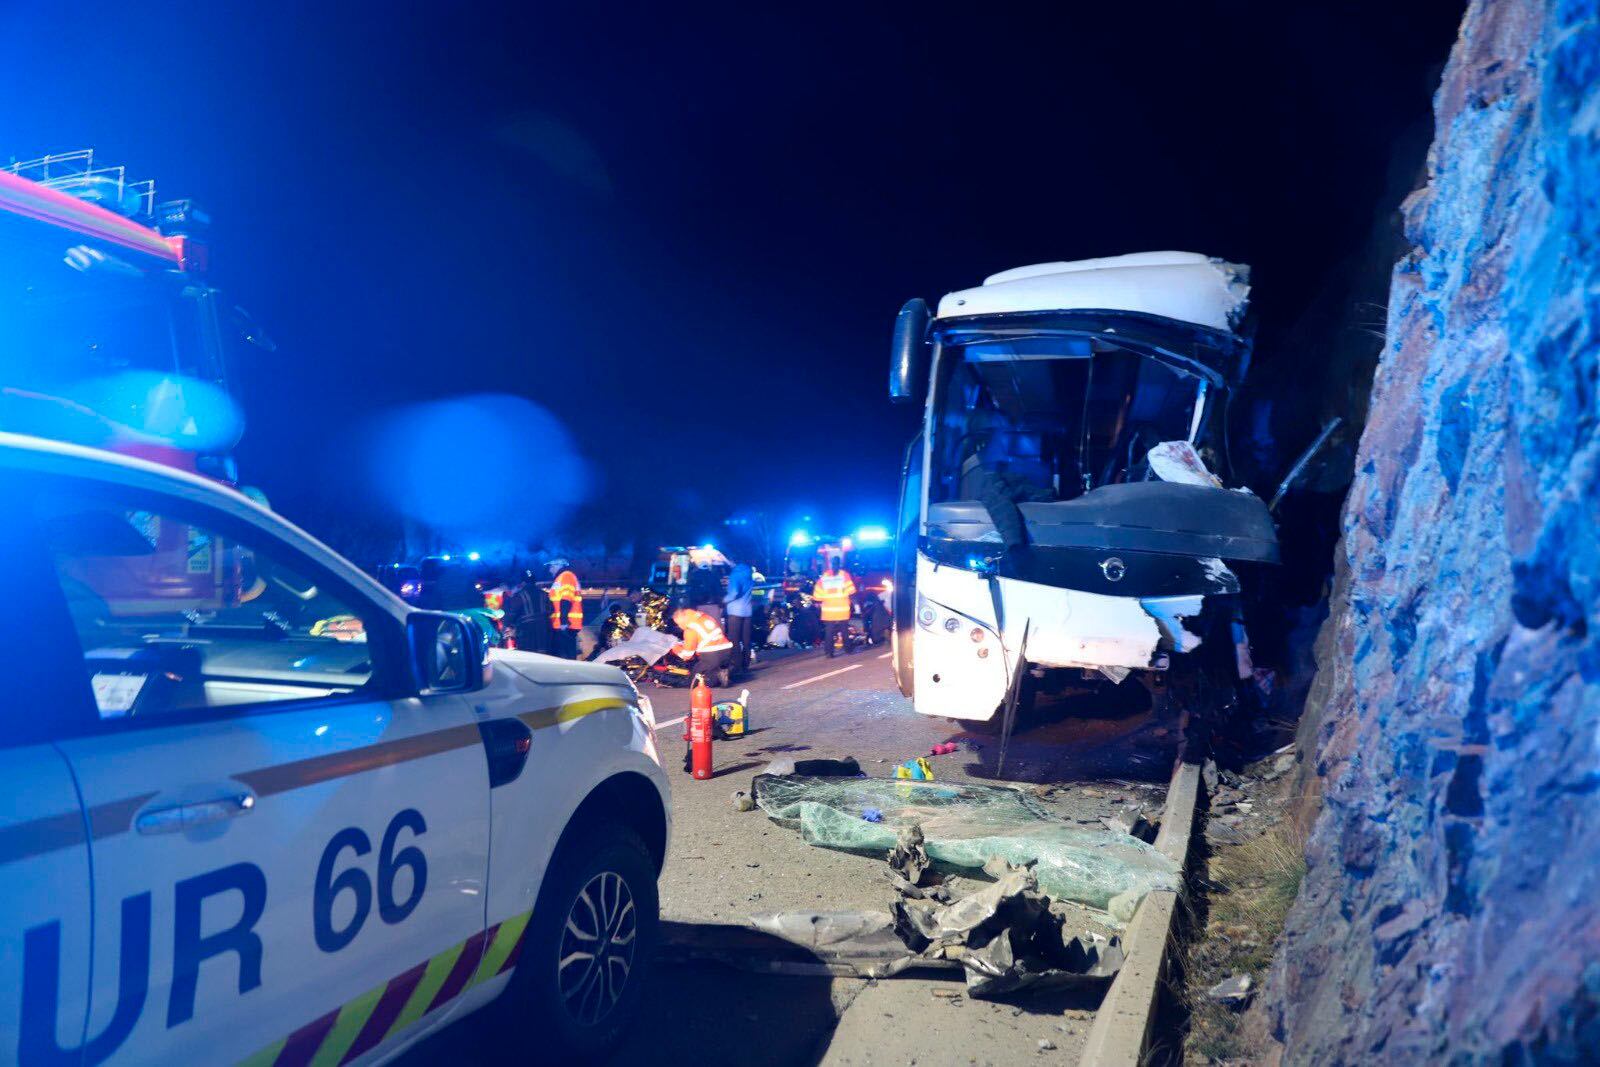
(908,356)
(450,653)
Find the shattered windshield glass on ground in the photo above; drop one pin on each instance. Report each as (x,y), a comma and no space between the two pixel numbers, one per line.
(1057,414)
(964,826)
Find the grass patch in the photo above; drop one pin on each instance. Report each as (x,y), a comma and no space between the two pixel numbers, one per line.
(1248,890)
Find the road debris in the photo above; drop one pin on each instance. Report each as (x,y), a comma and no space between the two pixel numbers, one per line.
(1132,821)
(1004,936)
(1234,990)
(964,827)
(742,801)
(908,858)
(916,769)
(815,768)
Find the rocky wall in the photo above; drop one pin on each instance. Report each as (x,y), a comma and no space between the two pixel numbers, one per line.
(1451,909)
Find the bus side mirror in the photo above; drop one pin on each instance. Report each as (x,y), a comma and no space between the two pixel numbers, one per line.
(908,359)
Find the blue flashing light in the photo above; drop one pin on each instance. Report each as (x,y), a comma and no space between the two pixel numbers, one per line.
(473,556)
(798,538)
(445,557)
(871,535)
(709,547)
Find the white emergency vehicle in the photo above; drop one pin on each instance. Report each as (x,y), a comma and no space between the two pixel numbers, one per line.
(259,810)
(1064,515)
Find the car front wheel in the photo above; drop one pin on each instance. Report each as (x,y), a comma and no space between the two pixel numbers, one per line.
(589,943)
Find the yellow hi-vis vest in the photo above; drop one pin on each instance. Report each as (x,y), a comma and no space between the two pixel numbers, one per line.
(565,590)
(832,593)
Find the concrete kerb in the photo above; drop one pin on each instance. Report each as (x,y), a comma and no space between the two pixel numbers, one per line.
(1120,1033)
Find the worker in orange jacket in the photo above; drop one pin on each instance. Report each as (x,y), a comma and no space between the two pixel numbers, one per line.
(705,645)
(566,609)
(832,594)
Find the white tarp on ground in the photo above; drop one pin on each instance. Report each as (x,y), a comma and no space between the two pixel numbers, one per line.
(649,645)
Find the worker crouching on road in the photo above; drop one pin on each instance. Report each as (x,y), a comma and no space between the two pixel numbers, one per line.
(705,646)
(832,594)
(566,609)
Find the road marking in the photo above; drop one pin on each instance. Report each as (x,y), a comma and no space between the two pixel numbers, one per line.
(820,677)
(670,722)
(886,655)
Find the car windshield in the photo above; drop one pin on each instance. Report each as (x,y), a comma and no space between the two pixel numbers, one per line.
(84,334)
(1057,414)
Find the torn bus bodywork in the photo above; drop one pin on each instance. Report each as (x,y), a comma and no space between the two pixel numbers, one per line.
(1069,481)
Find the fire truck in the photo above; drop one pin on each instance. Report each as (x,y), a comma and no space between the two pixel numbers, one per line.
(113,337)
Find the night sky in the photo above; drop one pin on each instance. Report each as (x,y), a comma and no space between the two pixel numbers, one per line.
(686,230)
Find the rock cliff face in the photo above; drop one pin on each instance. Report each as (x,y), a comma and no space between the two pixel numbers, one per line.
(1451,909)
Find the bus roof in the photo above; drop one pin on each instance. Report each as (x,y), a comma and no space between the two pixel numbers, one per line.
(1184,286)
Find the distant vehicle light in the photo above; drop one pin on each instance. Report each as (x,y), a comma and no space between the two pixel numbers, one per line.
(799,537)
(410,588)
(846,544)
(872,535)
(445,557)
(709,547)
(473,556)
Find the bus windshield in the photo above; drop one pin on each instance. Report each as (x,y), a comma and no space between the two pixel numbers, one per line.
(1057,414)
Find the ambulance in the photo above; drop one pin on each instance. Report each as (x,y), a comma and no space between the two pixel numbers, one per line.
(281,816)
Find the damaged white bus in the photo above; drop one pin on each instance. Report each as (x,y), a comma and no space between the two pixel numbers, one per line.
(1062,517)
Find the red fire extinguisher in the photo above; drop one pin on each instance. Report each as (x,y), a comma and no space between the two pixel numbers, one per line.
(700,723)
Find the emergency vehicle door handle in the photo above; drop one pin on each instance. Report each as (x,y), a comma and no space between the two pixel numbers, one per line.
(180,817)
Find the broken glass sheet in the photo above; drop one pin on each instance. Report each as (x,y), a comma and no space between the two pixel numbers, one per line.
(963,827)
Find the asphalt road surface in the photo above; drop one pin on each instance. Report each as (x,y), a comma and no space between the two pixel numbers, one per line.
(724,865)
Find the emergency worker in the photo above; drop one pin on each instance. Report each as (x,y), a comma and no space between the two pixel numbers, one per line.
(566,609)
(705,645)
(737,605)
(832,594)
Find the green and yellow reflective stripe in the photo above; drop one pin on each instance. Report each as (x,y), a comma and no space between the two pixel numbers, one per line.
(499,950)
(352,1017)
(360,1024)
(267,1056)
(432,980)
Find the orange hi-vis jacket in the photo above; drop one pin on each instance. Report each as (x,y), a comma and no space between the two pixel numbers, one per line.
(701,633)
(832,593)
(565,590)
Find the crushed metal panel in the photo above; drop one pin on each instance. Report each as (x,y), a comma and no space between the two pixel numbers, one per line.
(1071,628)
(1169,613)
